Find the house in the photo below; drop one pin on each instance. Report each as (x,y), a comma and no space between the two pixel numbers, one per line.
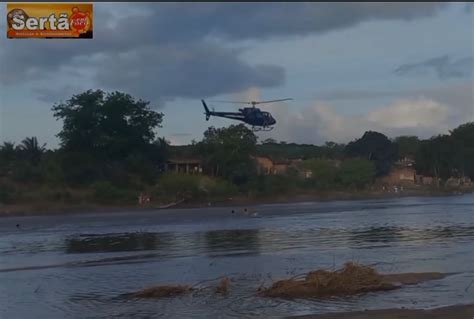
(268,166)
(280,166)
(425,180)
(184,165)
(264,165)
(405,162)
(400,175)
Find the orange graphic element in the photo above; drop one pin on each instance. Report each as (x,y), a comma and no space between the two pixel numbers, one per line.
(49,20)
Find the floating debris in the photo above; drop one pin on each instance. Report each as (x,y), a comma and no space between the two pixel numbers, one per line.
(351,279)
(223,287)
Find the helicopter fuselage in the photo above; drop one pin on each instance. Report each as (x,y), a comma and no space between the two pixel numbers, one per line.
(249,115)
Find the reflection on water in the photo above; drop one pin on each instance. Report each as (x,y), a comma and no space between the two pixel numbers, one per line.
(116,242)
(376,235)
(232,240)
(167,243)
(77,270)
(252,241)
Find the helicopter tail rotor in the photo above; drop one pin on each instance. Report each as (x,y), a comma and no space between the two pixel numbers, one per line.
(207,112)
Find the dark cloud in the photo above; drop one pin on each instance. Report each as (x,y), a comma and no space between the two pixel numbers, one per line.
(56,94)
(197,70)
(170,50)
(443,66)
(188,21)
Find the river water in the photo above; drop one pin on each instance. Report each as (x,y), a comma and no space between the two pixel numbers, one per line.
(80,266)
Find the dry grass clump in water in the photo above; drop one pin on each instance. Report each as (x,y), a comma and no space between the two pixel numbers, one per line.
(223,287)
(351,279)
(161,292)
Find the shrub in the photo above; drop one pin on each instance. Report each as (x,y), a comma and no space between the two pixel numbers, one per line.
(7,194)
(274,184)
(193,187)
(324,173)
(356,173)
(105,192)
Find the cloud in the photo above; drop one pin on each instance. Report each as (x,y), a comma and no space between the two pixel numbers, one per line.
(236,21)
(355,95)
(169,50)
(251,94)
(192,71)
(406,114)
(423,114)
(178,138)
(181,134)
(443,66)
(56,94)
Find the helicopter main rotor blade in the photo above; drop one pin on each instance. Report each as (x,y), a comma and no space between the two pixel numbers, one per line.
(232,102)
(272,101)
(252,102)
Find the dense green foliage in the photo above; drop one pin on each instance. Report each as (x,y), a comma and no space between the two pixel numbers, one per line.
(444,156)
(110,152)
(356,173)
(108,136)
(284,150)
(407,146)
(177,186)
(324,173)
(228,152)
(353,173)
(375,147)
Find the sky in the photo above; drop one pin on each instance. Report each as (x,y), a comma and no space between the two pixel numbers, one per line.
(396,68)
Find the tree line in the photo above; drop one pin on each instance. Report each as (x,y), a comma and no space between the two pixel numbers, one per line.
(110,149)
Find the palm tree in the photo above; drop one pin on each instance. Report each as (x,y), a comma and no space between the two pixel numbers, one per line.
(31,150)
(7,157)
(7,152)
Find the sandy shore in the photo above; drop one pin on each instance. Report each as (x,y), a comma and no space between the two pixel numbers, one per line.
(452,312)
(63,209)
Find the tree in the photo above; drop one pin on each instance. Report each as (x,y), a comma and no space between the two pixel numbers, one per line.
(112,125)
(108,131)
(407,146)
(376,147)
(31,151)
(463,138)
(324,173)
(8,155)
(227,152)
(269,141)
(356,173)
(436,157)
(333,150)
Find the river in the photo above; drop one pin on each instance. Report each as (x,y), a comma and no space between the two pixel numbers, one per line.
(81,265)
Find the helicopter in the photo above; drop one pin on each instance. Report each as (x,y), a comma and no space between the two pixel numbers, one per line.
(258,119)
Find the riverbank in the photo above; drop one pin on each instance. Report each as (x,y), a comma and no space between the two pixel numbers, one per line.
(452,312)
(59,208)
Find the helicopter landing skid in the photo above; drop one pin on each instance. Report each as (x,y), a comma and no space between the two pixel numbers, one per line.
(262,129)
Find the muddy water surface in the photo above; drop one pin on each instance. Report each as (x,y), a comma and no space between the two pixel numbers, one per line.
(79,266)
